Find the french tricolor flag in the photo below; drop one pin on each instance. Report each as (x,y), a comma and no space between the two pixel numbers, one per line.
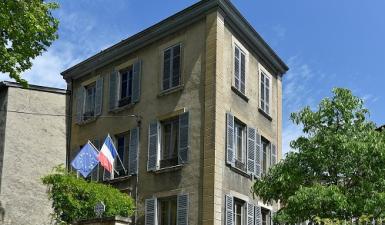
(107,154)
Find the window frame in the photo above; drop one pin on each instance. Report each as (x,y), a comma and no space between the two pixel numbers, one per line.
(169,200)
(126,145)
(127,100)
(86,104)
(171,69)
(235,57)
(266,154)
(265,102)
(174,122)
(238,124)
(265,216)
(243,215)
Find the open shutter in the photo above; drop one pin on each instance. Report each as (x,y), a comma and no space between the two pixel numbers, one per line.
(182,210)
(151,212)
(251,150)
(257,215)
(229,204)
(230,139)
(113,90)
(133,151)
(99,96)
(183,138)
(79,104)
(166,69)
(243,73)
(273,156)
(250,214)
(236,67)
(258,155)
(136,78)
(153,139)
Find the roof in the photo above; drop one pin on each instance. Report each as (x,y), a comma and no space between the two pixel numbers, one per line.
(194,13)
(6,84)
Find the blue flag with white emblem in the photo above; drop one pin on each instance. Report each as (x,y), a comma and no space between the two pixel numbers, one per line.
(86,160)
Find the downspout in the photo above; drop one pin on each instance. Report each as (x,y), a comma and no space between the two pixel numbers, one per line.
(69,122)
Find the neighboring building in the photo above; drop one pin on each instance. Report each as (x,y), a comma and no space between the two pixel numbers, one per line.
(32,142)
(208,93)
(381,128)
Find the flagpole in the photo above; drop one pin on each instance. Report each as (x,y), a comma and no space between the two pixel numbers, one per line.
(118,157)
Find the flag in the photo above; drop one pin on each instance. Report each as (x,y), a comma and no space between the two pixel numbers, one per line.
(86,160)
(107,154)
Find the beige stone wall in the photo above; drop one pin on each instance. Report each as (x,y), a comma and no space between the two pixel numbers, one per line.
(34,144)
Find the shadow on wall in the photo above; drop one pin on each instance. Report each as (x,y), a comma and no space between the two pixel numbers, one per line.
(2,213)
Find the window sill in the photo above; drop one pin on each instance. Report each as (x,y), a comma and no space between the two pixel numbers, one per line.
(171,90)
(265,114)
(239,171)
(240,94)
(122,108)
(117,179)
(85,122)
(169,169)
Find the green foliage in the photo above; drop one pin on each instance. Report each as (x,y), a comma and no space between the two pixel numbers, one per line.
(337,171)
(27,28)
(75,199)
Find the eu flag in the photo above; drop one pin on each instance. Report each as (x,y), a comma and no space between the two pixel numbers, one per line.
(86,160)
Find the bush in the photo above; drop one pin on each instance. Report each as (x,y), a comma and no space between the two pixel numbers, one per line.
(74,199)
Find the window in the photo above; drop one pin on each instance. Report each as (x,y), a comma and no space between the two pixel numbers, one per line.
(265,93)
(169,150)
(126,86)
(265,214)
(239,212)
(89,107)
(265,155)
(122,146)
(239,69)
(240,145)
(171,67)
(167,211)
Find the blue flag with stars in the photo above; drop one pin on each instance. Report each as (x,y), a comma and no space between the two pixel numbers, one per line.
(86,160)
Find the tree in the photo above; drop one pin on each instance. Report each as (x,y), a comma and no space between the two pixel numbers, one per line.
(27,28)
(74,199)
(337,169)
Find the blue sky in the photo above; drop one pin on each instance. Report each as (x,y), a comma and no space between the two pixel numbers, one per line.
(326,44)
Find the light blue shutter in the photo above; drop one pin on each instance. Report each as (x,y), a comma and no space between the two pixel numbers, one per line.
(229,215)
(251,142)
(257,215)
(230,139)
(250,214)
(80,92)
(151,212)
(273,156)
(182,210)
(133,151)
(136,78)
(153,139)
(183,138)
(258,155)
(99,96)
(113,90)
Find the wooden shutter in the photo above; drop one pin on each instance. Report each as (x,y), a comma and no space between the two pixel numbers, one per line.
(251,150)
(80,92)
(258,155)
(133,151)
(166,69)
(229,205)
(151,212)
(153,146)
(230,139)
(182,210)
(183,138)
(113,90)
(176,61)
(257,215)
(99,96)
(250,213)
(136,78)
(273,156)
(236,67)
(243,73)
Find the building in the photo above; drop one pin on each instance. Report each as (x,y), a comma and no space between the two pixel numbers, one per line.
(32,142)
(206,92)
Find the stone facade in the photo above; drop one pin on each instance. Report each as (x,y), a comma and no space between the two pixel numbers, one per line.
(30,146)
(207,32)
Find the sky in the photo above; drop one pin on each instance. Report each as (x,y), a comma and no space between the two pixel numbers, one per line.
(326,44)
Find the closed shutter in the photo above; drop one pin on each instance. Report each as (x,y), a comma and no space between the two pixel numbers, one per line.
(183,138)
(258,155)
(251,150)
(230,139)
(99,96)
(80,92)
(176,65)
(136,78)
(250,214)
(273,156)
(182,210)
(150,212)
(113,90)
(153,139)
(257,215)
(133,151)
(229,215)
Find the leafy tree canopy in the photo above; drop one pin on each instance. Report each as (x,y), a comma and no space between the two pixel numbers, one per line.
(74,199)
(27,28)
(337,169)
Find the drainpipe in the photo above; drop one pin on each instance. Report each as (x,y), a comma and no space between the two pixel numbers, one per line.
(69,121)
